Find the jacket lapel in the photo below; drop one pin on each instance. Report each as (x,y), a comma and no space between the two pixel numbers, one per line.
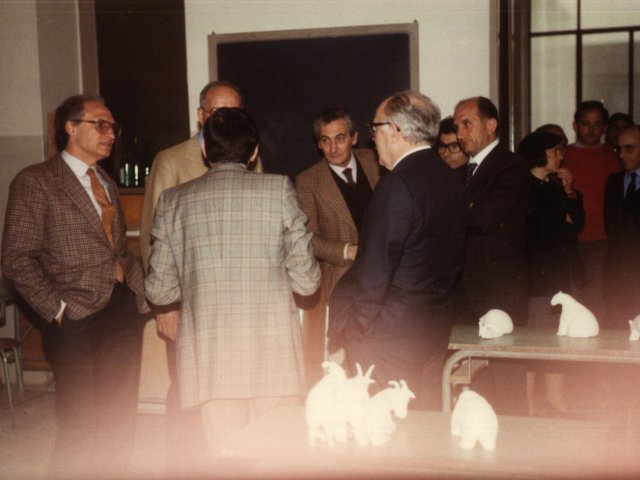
(77,194)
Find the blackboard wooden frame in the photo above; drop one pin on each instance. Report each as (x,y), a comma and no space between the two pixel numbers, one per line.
(289,76)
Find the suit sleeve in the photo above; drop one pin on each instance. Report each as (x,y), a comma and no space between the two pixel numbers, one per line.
(509,186)
(301,265)
(161,178)
(162,284)
(387,225)
(24,240)
(330,251)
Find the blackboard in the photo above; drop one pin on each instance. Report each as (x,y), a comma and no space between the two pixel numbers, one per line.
(288,77)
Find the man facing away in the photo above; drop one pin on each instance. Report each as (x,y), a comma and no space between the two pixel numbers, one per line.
(393,308)
(591,163)
(334,194)
(64,248)
(171,167)
(231,247)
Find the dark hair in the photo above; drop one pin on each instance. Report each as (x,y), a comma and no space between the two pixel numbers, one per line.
(219,83)
(554,128)
(534,147)
(486,109)
(589,105)
(71,109)
(621,117)
(331,115)
(446,126)
(230,136)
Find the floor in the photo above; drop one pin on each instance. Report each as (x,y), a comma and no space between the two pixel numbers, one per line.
(25,447)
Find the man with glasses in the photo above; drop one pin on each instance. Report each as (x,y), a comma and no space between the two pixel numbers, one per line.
(622,223)
(393,308)
(65,250)
(448,147)
(334,193)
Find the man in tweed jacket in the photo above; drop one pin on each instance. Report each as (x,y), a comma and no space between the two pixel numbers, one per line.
(335,211)
(58,252)
(231,246)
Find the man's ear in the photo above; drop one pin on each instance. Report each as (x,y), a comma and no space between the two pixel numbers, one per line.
(201,119)
(575,127)
(354,139)
(70,128)
(492,125)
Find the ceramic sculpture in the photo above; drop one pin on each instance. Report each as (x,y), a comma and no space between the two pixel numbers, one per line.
(377,423)
(474,421)
(576,320)
(495,323)
(634,327)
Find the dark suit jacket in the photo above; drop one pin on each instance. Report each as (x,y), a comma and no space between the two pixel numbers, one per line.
(329,218)
(622,224)
(54,247)
(409,255)
(495,274)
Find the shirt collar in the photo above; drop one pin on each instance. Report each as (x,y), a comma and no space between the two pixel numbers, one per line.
(339,170)
(413,150)
(482,154)
(76,165)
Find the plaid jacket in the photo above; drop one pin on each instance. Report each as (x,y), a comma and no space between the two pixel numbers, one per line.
(54,247)
(231,246)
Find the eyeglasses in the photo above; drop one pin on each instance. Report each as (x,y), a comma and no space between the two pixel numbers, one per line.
(103,126)
(452,147)
(374,126)
(628,148)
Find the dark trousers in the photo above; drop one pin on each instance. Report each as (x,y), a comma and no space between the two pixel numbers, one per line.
(418,360)
(96,362)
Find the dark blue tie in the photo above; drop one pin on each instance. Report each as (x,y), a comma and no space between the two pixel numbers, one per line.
(631,188)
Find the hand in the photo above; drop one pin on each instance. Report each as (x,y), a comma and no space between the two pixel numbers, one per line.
(352,251)
(566,177)
(167,324)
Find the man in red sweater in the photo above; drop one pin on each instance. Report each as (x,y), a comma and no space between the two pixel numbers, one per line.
(592,163)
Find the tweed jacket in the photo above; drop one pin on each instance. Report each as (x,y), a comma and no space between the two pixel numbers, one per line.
(171,167)
(54,247)
(231,246)
(329,217)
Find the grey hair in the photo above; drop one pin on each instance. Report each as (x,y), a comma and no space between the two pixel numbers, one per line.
(416,115)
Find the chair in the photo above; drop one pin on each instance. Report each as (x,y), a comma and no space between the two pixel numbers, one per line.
(10,351)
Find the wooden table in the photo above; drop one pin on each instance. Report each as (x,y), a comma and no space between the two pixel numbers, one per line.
(275,446)
(610,346)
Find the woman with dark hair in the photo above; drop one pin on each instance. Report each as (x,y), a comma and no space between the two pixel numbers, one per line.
(554,218)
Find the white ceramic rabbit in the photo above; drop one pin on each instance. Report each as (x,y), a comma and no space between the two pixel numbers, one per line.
(576,320)
(474,420)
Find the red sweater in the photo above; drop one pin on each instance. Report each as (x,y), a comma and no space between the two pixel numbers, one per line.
(591,166)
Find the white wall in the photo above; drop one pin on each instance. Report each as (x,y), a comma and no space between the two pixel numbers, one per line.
(455,44)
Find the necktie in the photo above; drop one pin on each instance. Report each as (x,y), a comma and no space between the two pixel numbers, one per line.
(108,213)
(347,173)
(631,188)
(470,169)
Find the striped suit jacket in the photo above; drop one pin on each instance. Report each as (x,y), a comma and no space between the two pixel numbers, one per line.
(54,247)
(231,246)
